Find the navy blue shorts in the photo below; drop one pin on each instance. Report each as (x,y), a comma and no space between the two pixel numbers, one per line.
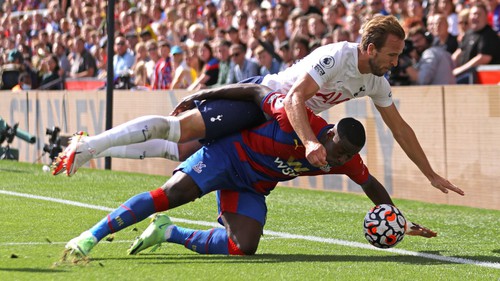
(226,117)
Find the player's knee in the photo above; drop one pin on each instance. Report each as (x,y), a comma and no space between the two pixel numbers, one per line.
(249,248)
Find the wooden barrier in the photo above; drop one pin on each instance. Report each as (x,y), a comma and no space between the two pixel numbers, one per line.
(456,126)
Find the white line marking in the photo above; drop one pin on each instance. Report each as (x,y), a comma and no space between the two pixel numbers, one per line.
(267,232)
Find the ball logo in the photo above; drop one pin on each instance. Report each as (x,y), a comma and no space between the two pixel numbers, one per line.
(327,62)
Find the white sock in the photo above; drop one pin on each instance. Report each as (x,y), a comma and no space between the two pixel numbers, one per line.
(135,131)
(150,149)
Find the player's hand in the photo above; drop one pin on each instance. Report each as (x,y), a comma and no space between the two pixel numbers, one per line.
(184,105)
(316,154)
(418,230)
(444,185)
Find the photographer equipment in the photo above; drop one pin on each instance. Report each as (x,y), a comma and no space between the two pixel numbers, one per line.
(7,133)
(54,146)
(397,75)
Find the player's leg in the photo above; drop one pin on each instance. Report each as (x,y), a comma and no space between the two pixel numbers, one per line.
(153,149)
(141,129)
(178,190)
(242,214)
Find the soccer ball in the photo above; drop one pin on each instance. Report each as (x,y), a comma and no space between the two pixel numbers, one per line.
(384,226)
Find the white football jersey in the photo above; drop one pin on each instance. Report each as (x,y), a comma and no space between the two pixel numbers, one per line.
(334,67)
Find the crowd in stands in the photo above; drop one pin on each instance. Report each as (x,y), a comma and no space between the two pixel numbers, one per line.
(194,44)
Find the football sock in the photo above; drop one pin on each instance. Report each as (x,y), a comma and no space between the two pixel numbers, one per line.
(150,149)
(138,130)
(212,241)
(132,211)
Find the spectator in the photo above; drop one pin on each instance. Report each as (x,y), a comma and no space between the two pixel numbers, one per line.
(183,75)
(194,61)
(340,34)
(494,15)
(162,77)
(353,26)
(154,57)
(222,54)
(305,7)
(24,83)
(331,18)
(210,73)
(438,26)
(141,80)
(374,7)
(123,60)
(300,45)
(11,71)
(278,30)
(434,64)
(478,47)
(196,34)
(316,26)
(141,54)
(232,35)
(268,64)
(50,77)
(447,8)
(60,51)
(463,24)
(83,64)
(286,54)
(241,68)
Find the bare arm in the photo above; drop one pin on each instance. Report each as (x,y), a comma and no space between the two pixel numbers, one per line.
(295,106)
(376,192)
(408,141)
(479,59)
(248,92)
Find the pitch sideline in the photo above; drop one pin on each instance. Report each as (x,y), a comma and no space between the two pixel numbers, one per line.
(275,233)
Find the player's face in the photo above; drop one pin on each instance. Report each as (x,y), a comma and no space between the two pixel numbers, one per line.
(385,58)
(340,151)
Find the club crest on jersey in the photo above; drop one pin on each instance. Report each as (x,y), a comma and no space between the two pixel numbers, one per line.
(327,62)
(198,167)
(319,70)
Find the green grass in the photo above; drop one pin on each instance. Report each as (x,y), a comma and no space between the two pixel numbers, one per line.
(464,233)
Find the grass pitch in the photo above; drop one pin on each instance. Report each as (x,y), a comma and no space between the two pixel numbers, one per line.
(311,235)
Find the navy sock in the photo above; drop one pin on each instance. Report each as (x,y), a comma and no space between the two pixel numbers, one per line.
(212,241)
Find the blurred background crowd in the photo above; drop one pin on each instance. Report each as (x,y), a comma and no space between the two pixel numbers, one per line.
(193,44)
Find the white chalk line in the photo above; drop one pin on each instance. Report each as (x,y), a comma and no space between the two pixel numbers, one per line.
(494,265)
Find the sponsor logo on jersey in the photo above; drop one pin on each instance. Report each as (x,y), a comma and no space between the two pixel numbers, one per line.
(198,167)
(319,70)
(218,118)
(327,62)
(297,145)
(291,167)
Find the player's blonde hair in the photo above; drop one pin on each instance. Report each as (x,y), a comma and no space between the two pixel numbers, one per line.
(377,29)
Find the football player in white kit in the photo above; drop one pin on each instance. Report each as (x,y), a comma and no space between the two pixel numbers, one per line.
(330,75)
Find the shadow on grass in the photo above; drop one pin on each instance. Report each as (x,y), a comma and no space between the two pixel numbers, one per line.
(32,270)
(159,258)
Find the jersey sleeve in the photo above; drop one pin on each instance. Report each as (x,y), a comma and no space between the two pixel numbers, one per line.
(273,106)
(324,66)
(356,170)
(380,93)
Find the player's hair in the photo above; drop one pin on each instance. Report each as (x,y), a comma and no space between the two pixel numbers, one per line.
(377,29)
(352,130)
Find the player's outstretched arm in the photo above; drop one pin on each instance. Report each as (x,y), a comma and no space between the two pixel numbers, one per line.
(419,230)
(376,191)
(248,92)
(408,141)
